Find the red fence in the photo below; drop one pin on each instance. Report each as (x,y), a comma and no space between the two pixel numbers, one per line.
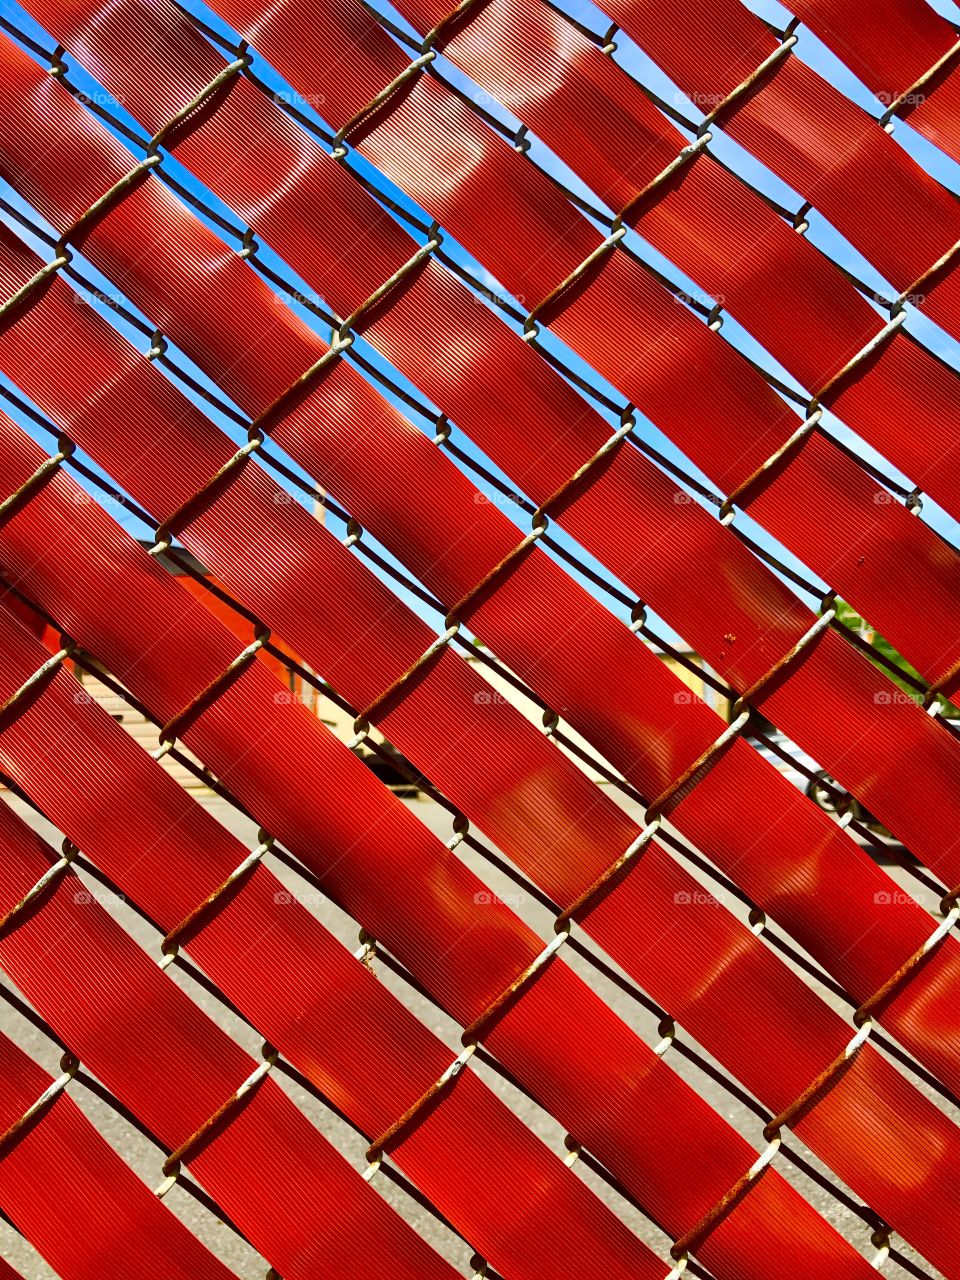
(487,450)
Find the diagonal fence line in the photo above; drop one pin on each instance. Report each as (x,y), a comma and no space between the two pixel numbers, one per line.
(717,501)
(912,499)
(736,1092)
(720,1210)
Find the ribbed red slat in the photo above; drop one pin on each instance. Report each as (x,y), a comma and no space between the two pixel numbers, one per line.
(836,936)
(827,149)
(892,45)
(936,117)
(556,1075)
(345,1031)
(61,1171)
(349,877)
(889,44)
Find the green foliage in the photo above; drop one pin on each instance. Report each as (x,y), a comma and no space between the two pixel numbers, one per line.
(903,675)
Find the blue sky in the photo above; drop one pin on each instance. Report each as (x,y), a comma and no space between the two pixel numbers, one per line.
(632,59)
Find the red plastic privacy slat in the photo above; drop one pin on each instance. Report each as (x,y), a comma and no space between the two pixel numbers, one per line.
(61,1170)
(516,1037)
(901,49)
(827,149)
(357,1044)
(220,712)
(837,938)
(890,45)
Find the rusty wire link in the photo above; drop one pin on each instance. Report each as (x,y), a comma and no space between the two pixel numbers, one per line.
(894,984)
(410,72)
(32,289)
(69,1066)
(454,617)
(54,873)
(687,1244)
(342,339)
(218,685)
(190,1148)
(450,21)
(474,1033)
(34,483)
(361,726)
(787,661)
(772,1132)
(909,95)
(608,879)
(680,161)
(531,326)
(36,683)
(756,77)
(201,914)
(683,158)
(409,268)
(820,1083)
(428,54)
(930,277)
(13,307)
(897,317)
(366,953)
(500,571)
(680,787)
(749,488)
(539,520)
(476,1030)
(205,496)
(223,77)
(307,380)
(414,1115)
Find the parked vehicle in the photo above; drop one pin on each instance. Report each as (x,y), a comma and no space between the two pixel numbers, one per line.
(826,793)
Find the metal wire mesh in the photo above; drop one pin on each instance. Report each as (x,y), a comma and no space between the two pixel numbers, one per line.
(558,966)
